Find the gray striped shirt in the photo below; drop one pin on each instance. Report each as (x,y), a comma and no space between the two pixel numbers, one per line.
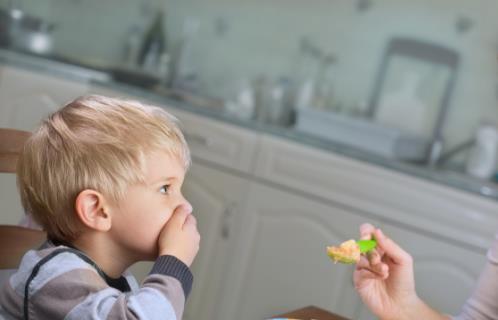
(68,285)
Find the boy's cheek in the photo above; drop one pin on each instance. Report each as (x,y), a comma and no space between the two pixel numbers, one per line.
(162,221)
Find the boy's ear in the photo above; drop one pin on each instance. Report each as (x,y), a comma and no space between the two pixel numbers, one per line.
(91,210)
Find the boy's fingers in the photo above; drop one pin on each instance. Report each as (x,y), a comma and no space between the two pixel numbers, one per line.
(190,220)
(391,249)
(366,231)
(179,216)
(187,207)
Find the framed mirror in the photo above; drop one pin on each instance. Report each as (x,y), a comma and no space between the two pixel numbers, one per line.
(412,88)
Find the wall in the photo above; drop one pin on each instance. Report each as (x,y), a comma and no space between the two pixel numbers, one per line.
(91,31)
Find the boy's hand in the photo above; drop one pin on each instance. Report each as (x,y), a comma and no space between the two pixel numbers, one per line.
(180,237)
(385,279)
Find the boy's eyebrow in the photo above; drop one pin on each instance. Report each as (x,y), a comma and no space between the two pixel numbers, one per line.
(163,179)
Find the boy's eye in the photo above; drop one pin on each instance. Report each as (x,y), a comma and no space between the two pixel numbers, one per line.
(164,189)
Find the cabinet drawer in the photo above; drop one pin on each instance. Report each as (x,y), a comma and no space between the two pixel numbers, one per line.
(407,200)
(218,142)
(208,139)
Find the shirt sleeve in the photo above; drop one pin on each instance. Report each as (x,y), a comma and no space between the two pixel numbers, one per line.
(483,304)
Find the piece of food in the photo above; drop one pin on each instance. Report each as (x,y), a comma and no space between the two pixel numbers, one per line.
(350,251)
(347,252)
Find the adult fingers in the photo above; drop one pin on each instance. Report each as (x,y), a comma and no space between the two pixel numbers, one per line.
(363,263)
(380,268)
(374,257)
(391,249)
(365,273)
(366,231)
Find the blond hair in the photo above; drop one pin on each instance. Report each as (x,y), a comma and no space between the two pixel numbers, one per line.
(93,142)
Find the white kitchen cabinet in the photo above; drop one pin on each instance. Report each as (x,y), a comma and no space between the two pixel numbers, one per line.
(25,98)
(281,263)
(393,196)
(445,272)
(214,141)
(216,185)
(219,143)
(217,199)
(446,231)
(267,207)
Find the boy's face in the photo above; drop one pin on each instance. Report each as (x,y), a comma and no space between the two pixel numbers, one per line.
(142,214)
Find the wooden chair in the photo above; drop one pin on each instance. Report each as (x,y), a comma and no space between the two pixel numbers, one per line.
(14,240)
(11,142)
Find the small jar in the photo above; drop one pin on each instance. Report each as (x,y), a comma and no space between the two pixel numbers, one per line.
(482,160)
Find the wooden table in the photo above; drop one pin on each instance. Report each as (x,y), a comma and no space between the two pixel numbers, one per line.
(309,313)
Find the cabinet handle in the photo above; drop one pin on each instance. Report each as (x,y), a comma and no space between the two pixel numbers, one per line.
(197,139)
(225,221)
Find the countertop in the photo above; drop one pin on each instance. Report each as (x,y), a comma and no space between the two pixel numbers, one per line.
(100,77)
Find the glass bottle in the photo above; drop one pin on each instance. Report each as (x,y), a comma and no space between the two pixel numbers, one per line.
(153,45)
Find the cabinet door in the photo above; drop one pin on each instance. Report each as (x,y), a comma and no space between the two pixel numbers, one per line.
(281,262)
(384,193)
(215,197)
(445,274)
(26,96)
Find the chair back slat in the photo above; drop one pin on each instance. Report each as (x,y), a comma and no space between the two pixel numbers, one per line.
(11,143)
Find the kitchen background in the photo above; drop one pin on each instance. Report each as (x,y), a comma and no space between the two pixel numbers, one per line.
(228,44)
(305,119)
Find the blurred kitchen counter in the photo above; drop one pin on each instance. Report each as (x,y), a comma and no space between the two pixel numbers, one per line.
(213,109)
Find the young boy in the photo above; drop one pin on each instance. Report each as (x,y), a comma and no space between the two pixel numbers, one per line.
(103,177)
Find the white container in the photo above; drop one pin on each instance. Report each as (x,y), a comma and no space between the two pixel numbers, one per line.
(388,142)
(242,106)
(482,160)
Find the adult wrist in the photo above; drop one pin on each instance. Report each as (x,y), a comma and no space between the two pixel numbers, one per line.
(409,309)
(416,308)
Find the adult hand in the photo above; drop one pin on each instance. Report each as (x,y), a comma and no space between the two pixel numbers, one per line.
(384,279)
